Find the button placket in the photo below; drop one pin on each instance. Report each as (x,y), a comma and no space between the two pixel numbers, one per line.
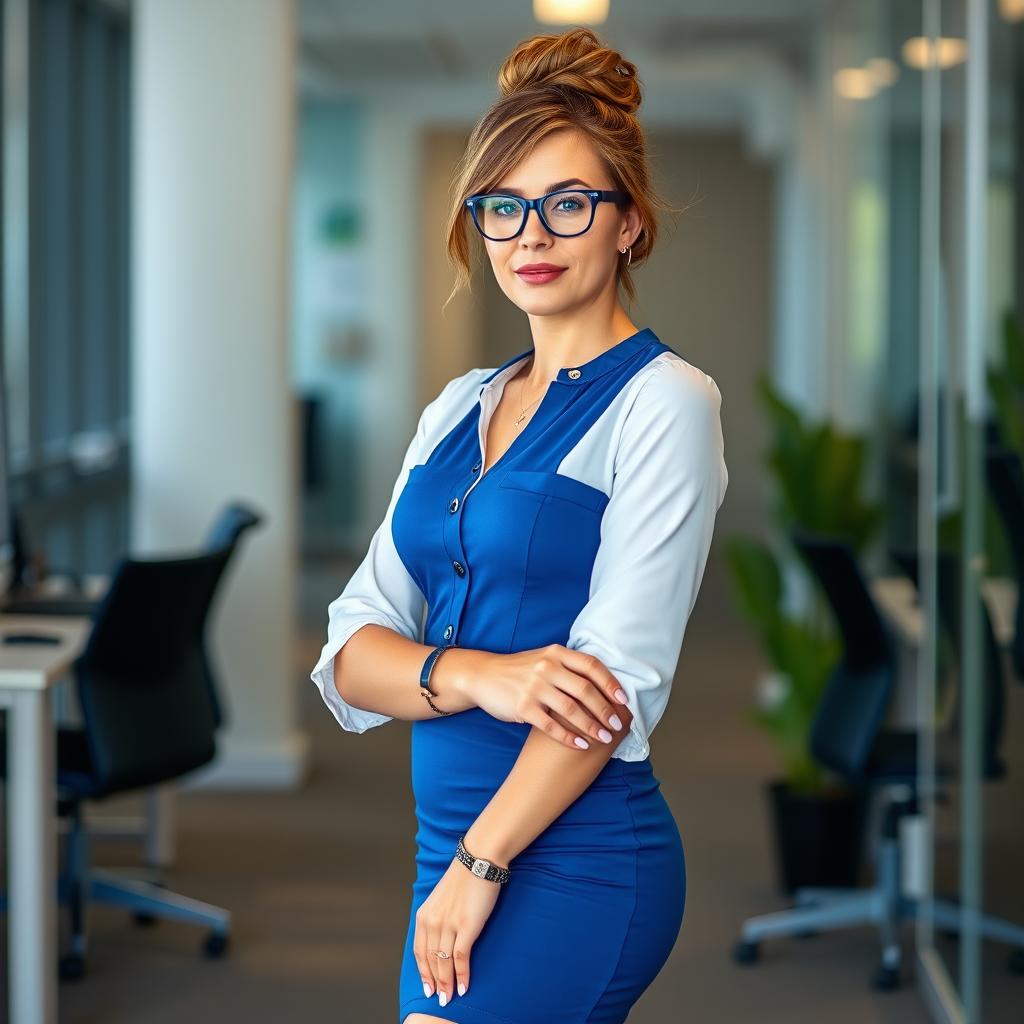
(453,544)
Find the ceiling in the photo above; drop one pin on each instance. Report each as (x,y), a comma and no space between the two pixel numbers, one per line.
(395,41)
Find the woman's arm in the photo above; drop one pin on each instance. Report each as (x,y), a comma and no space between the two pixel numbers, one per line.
(378,671)
(546,778)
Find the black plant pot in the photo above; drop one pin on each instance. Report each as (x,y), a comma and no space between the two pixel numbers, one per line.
(818,838)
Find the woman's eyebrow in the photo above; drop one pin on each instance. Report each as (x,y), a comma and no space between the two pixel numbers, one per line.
(551,188)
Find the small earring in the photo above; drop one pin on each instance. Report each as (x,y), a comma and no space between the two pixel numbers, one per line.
(630,248)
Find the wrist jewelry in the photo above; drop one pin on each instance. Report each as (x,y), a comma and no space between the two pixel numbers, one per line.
(428,665)
(480,867)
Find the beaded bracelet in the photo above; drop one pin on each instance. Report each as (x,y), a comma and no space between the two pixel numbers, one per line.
(428,666)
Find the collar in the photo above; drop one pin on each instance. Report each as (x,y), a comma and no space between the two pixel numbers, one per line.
(584,372)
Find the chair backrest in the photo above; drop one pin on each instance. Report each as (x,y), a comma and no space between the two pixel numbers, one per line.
(858,692)
(142,678)
(229,526)
(949,586)
(1006,482)
(232,522)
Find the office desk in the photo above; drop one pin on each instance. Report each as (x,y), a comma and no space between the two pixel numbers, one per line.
(27,676)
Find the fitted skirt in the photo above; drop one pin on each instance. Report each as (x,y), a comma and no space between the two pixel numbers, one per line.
(593,906)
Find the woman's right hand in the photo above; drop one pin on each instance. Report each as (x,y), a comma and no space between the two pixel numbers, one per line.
(548,686)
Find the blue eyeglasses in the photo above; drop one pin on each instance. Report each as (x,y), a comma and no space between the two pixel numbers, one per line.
(566,213)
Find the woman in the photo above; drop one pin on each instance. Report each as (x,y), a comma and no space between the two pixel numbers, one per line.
(554,514)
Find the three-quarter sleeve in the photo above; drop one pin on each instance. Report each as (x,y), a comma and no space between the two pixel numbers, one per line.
(381,590)
(669,481)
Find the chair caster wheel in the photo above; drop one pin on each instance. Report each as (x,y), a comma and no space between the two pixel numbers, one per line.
(143,919)
(1015,961)
(745,952)
(215,945)
(71,967)
(886,979)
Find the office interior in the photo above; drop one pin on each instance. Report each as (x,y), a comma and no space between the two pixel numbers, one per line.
(223,272)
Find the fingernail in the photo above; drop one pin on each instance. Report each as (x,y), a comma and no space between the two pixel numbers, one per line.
(462,989)
(615,722)
(581,743)
(605,735)
(427,990)
(442,997)
(620,696)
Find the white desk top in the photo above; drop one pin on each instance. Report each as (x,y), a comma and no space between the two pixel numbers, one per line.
(38,666)
(897,596)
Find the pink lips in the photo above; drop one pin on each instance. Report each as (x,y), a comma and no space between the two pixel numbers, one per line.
(539,273)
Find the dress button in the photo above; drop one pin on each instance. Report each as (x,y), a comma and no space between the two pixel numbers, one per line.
(454,505)
(476,468)
(574,374)
(449,629)
(459,568)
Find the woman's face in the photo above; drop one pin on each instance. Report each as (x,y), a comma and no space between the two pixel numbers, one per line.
(590,260)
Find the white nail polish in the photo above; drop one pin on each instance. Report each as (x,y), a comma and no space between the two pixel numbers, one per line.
(462,989)
(427,990)
(615,722)
(581,743)
(442,997)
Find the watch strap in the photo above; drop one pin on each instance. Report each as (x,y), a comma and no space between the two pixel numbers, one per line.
(428,664)
(481,868)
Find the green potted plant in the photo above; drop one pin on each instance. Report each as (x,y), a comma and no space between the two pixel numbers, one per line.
(818,476)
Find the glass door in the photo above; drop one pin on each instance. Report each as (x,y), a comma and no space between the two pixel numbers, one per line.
(968,931)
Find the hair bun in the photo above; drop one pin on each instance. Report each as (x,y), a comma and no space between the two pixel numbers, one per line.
(576,59)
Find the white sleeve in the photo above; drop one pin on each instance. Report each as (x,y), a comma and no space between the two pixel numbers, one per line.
(668,483)
(381,590)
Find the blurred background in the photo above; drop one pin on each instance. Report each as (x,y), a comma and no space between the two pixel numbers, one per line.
(223,269)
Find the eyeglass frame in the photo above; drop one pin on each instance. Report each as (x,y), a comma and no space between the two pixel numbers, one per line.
(597,195)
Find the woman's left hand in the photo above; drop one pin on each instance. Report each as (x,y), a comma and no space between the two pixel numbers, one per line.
(450,919)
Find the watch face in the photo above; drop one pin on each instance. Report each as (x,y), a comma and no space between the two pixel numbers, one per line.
(481,867)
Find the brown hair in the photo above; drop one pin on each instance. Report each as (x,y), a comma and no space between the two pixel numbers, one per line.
(548,83)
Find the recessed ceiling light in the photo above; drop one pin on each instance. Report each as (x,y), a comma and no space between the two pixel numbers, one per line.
(1012,10)
(945,51)
(854,83)
(570,12)
(883,71)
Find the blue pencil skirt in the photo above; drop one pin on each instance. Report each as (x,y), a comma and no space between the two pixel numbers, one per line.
(593,906)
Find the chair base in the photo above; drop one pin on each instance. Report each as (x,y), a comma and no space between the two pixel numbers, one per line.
(148,901)
(882,905)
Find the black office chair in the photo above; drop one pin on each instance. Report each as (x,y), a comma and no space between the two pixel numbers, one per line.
(143,686)
(1006,482)
(848,738)
(226,531)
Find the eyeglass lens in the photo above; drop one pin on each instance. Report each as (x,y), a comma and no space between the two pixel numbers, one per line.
(567,213)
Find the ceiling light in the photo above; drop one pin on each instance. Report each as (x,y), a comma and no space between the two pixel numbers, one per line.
(854,83)
(570,12)
(920,52)
(1012,10)
(883,71)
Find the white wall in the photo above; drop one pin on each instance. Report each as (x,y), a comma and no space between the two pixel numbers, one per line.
(214,417)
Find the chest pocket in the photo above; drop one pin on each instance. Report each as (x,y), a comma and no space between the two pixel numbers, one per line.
(556,485)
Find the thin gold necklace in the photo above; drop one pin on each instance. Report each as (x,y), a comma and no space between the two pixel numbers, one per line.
(522,414)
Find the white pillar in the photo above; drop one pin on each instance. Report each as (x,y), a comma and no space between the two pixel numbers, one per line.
(214,417)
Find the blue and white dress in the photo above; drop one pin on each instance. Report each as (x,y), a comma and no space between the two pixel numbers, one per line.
(592,531)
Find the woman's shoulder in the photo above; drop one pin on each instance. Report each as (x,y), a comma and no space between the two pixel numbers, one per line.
(670,385)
